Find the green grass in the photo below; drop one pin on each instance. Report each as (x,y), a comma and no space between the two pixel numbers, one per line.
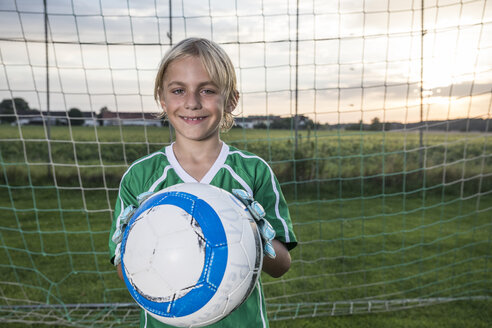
(382,248)
(358,160)
(448,315)
(369,227)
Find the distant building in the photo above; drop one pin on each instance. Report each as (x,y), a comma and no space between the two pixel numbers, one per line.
(37,118)
(251,122)
(107,118)
(121,118)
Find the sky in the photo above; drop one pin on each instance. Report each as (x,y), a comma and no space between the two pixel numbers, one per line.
(357,59)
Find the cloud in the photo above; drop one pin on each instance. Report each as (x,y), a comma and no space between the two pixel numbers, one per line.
(354,56)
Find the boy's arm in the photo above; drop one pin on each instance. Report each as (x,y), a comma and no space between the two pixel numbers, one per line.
(276,260)
(125,197)
(270,196)
(278,266)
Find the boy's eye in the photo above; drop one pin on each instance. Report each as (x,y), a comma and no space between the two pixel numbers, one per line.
(208,91)
(177,91)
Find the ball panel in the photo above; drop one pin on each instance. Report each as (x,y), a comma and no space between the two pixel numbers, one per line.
(179,258)
(157,218)
(215,266)
(151,285)
(210,223)
(199,190)
(242,291)
(140,246)
(238,267)
(232,222)
(251,244)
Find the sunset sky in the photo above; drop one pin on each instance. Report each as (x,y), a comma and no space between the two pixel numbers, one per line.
(357,59)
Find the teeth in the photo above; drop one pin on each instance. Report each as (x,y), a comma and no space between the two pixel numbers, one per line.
(193,118)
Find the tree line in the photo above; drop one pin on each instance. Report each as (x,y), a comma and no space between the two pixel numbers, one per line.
(10,109)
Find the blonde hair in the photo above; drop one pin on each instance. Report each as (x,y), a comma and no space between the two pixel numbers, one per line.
(218,65)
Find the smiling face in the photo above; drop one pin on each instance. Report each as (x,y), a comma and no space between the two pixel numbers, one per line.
(194,104)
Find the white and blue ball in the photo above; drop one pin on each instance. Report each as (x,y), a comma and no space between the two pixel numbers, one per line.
(191,254)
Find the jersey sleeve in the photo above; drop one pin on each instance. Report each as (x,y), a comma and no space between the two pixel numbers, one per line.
(126,197)
(268,193)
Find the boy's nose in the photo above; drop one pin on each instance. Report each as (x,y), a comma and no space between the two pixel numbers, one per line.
(193,101)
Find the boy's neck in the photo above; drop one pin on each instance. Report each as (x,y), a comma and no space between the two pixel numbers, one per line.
(196,158)
(197,149)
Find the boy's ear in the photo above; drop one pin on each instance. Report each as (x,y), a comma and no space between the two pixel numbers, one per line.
(232,102)
(163,104)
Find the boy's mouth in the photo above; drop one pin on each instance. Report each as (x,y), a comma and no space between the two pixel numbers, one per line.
(193,119)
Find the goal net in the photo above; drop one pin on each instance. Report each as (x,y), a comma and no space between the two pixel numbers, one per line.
(374,115)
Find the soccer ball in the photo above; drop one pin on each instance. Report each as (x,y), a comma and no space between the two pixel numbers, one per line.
(191,254)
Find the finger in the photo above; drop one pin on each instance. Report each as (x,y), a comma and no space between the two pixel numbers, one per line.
(269,250)
(144,196)
(117,236)
(117,255)
(266,230)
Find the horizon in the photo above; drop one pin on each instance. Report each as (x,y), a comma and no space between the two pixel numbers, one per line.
(56,113)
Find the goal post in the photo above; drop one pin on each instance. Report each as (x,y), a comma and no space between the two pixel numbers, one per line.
(374,115)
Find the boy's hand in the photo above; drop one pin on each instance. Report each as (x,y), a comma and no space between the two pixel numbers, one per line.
(119,270)
(123,220)
(266,230)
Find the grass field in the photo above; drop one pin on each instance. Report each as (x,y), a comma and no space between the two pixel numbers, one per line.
(371,225)
(449,315)
(356,160)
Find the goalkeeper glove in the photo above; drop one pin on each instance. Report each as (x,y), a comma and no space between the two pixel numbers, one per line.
(266,230)
(123,220)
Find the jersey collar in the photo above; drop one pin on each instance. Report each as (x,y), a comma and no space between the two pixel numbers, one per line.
(207,178)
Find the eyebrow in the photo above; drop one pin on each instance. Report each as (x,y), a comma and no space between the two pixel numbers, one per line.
(199,85)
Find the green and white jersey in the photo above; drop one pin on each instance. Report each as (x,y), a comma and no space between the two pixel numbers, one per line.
(233,169)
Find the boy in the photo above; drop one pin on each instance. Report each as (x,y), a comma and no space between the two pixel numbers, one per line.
(196,88)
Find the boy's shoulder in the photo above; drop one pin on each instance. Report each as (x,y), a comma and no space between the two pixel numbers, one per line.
(148,164)
(240,154)
(246,161)
(156,157)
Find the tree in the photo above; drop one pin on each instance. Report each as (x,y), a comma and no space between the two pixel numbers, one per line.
(75,116)
(355,126)
(260,125)
(100,116)
(375,125)
(9,108)
(281,123)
